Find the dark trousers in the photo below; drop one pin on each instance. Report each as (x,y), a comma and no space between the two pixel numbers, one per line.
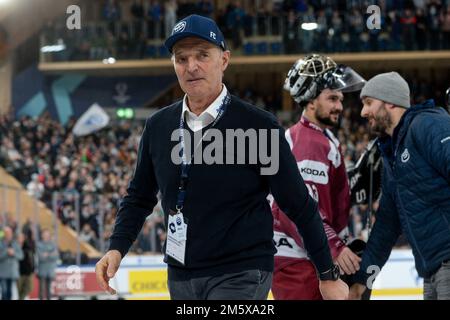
(6,285)
(245,285)
(44,288)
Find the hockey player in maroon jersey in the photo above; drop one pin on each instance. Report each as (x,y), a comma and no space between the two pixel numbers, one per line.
(317,84)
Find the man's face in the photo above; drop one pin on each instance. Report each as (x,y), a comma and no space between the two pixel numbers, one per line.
(328,107)
(376,113)
(46,236)
(8,234)
(199,66)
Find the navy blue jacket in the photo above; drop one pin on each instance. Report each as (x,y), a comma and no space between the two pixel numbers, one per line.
(415,191)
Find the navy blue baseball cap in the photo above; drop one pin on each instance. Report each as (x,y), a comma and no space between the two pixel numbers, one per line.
(199,27)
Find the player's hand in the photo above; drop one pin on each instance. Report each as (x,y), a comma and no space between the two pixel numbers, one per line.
(356,291)
(333,290)
(348,261)
(106,268)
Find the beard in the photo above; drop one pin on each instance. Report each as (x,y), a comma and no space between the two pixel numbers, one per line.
(327,120)
(382,120)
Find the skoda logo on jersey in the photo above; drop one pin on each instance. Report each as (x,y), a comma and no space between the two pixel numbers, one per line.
(178,221)
(313,171)
(405,156)
(179,27)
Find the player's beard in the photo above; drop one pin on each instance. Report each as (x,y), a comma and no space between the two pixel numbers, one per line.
(326,119)
(383,121)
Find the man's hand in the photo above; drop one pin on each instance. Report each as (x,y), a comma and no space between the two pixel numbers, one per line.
(10,252)
(333,290)
(356,291)
(348,261)
(106,268)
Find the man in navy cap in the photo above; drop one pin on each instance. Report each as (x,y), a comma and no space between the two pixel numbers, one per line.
(219,238)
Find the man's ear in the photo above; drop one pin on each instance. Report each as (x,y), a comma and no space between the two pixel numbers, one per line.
(226,55)
(310,105)
(390,106)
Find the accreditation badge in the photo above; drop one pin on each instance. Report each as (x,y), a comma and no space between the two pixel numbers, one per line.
(176,237)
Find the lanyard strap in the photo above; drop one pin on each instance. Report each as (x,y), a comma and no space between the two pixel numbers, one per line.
(186,164)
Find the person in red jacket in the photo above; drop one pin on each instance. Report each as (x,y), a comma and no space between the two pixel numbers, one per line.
(317,83)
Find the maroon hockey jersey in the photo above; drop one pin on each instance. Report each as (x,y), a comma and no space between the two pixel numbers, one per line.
(322,167)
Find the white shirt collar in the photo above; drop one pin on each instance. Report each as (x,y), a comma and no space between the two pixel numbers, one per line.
(206,117)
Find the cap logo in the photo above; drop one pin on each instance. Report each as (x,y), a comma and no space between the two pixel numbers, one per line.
(212,35)
(179,27)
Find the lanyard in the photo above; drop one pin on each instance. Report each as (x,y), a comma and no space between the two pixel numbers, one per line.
(185,165)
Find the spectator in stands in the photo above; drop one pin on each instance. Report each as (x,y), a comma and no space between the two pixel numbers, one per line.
(291,34)
(111,13)
(123,45)
(154,15)
(421,29)
(445,23)
(35,188)
(337,27)
(27,264)
(137,11)
(409,22)
(186,8)
(434,8)
(307,36)
(235,23)
(111,46)
(10,255)
(205,8)
(88,235)
(321,33)
(170,16)
(144,240)
(48,256)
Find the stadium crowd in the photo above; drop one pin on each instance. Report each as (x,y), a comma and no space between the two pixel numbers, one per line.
(90,173)
(135,29)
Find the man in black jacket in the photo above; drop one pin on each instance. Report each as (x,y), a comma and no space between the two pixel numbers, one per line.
(219,238)
(27,265)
